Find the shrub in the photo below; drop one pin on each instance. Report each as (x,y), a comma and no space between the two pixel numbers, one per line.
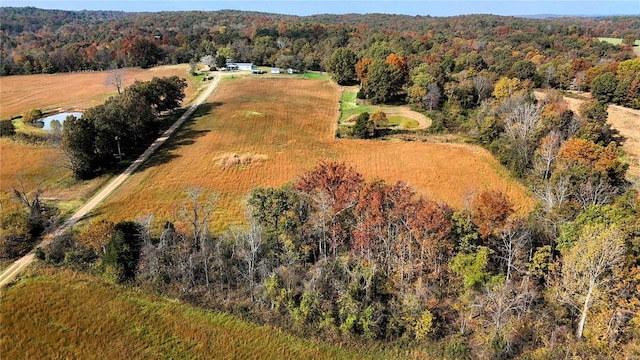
(7,128)
(32,115)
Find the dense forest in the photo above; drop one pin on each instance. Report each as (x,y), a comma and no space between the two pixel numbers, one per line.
(348,259)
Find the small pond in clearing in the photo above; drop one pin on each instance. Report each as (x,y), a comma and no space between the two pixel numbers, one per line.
(45,123)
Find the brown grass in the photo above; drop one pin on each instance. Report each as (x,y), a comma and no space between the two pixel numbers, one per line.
(67,315)
(294,129)
(70,91)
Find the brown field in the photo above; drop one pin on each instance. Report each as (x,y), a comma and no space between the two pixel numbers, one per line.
(625,120)
(65,315)
(44,165)
(74,91)
(289,125)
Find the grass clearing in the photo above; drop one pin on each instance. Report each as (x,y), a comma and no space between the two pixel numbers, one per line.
(403,122)
(294,133)
(350,105)
(64,314)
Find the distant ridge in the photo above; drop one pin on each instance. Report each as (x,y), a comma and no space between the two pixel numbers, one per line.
(551,16)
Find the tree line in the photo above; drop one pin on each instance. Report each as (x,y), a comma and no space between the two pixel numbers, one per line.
(355,260)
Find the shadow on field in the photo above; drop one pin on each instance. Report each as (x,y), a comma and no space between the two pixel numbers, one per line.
(186,135)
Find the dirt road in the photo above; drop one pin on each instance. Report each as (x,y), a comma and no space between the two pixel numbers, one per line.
(14,269)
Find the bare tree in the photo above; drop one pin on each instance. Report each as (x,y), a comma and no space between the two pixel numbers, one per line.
(483,87)
(31,199)
(514,242)
(249,244)
(432,98)
(197,210)
(546,155)
(115,77)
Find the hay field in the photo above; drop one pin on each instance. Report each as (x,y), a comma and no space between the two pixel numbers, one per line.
(65,315)
(288,124)
(71,91)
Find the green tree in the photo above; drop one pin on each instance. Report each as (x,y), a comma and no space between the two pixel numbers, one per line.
(383,82)
(7,128)
(603,87)
(524,69)
(364,128)
(144,53)
(343,65)
(123,251)
(78,135)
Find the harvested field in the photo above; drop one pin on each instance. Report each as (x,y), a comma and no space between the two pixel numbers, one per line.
(289,125)
(71,91)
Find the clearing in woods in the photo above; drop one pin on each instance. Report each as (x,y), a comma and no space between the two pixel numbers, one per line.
(266,132)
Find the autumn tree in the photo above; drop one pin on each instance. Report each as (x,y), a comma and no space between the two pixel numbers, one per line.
(490,210)
(332,190)
(362,70)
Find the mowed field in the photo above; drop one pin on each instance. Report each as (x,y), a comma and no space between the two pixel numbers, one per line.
(44,165)
(70,91)
(286,126)
(59,314)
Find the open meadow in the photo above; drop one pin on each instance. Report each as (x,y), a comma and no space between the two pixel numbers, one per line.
(266,132)
(111,321)
(43,164)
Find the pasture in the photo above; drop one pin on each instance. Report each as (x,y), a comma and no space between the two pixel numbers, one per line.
(63,314)
(288,126)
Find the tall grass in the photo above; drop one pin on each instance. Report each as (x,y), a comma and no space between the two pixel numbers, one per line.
(68,315)
(290,122)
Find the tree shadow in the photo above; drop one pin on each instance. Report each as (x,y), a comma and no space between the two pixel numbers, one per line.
(184,136)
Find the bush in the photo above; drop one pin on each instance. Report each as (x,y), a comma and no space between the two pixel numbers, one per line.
(32,115)
(7,128)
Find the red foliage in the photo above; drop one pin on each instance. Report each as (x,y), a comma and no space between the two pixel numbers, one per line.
(490,211)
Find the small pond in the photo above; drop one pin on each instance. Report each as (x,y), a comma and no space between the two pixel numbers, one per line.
(45,123)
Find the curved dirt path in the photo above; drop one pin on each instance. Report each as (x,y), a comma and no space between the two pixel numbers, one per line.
(17,266)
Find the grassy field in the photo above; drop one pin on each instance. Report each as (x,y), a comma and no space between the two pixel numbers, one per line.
(618,41)
(403,122)
(43,165)
(349,105)
(287,126)
(67,315)
(70,91)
